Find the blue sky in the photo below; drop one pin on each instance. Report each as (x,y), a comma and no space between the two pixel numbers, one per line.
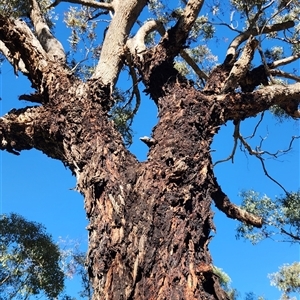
(41,189)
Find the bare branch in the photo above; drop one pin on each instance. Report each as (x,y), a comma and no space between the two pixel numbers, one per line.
(136,45)
(295,237)
(241,66)
(110,63)
(256,126)
(135,89)
(231,210)
(50,44)
(193,65)
(90,3)
(280,73)
(270,177)
(237,41)
(284,61)
(258,154)
(235,138)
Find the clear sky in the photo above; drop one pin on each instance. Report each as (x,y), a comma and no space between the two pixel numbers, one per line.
(41,189)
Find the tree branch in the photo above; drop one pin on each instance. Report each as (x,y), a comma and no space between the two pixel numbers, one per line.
(110,63)
(23,45)
(237,41)
(280,73)
(231,210)
(22,129)
(192,64)
(295,237)
(187,19)
(90,3)
(137,45)
(284,61)
(235,139)
(247,105)
(241,66)
(50,44)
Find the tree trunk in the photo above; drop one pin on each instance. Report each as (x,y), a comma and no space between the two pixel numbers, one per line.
(150,222)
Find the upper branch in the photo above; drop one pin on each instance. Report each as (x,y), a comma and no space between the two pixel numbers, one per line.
(284,61)
(90,3)
(237,41)
(110,63)
(241,66)
(50,44)
(178,34)
(23,46)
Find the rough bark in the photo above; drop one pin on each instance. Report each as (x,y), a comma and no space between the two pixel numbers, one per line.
(150,222)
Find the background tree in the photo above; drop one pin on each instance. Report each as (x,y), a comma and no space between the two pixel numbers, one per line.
(29,260)
(150,222)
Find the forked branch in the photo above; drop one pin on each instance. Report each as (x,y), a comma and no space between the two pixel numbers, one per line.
(241,66)
(237,41)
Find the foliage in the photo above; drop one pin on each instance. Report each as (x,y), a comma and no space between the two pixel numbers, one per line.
(281,217)
(21,9)
(287,279)
(225,282)
(29,260)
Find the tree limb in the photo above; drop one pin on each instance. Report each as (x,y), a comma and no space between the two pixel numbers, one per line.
(51,45)
(187,19)
(250,104)
(284,61)
(23,45)
(231,210)
(241,66)
(110,62)
(281,73)
(237,41)
(192,64)
(295,237)
(22,129)
(90,3)
(137,45)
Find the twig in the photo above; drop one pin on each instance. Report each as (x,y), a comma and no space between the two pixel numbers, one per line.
(256,126)
(270,177)
(235,138)
(295,237)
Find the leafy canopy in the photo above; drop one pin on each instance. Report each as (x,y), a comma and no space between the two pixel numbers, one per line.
(29,260)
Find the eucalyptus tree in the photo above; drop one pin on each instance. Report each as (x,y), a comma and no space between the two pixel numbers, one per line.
(29,260)
(149,222)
